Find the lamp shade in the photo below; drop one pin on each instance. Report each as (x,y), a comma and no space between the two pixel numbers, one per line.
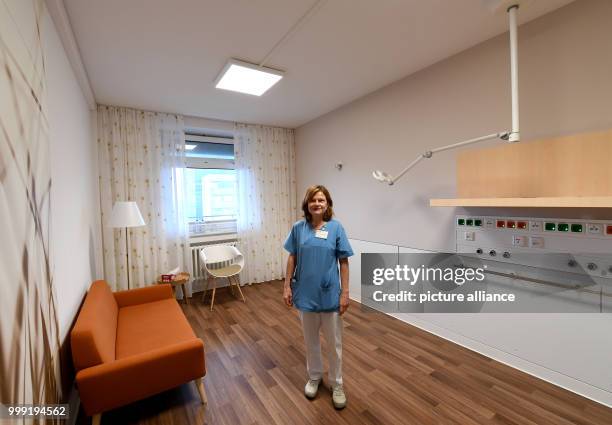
(125,214)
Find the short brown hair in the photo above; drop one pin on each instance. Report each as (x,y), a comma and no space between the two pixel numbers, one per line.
(310,193)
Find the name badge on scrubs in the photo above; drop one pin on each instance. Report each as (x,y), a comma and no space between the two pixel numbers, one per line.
(321,234)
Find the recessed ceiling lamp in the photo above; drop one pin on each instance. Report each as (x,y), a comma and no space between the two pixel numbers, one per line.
(190,147)
(247,78)
(256,79)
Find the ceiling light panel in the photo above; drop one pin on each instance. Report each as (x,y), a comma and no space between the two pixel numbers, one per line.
(244,77)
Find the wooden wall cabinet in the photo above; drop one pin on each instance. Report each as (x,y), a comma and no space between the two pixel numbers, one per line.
(570,171)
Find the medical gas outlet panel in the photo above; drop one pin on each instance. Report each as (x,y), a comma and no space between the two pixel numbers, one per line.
(508,239)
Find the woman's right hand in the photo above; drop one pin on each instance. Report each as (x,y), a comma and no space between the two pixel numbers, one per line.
(287,296)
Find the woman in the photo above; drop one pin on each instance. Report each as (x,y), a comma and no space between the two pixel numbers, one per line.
(313,284)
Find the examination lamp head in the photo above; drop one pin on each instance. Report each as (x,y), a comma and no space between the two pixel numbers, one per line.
(382,177)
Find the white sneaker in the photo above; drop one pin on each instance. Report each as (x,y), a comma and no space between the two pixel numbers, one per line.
(338,396)
(311,388)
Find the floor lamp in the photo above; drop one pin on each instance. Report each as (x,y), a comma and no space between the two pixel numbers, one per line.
(124,215)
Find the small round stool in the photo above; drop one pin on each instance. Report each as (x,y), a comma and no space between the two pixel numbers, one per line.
(179,279)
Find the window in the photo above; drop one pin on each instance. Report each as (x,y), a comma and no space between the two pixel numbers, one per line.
(210,181)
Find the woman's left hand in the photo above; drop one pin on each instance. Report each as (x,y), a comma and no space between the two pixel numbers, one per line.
(344,302)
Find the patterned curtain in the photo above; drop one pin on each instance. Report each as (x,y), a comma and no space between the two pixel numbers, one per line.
(141,159)
(29,329)
(265,166)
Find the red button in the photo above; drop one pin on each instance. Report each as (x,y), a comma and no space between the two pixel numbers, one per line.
(501,224)
(609,230)
(521,225)
(511,224)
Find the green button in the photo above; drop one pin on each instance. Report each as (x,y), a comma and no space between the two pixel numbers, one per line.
(460,221)
(563,227)
(469,222)
(550,227)
(477,222)
(577,228)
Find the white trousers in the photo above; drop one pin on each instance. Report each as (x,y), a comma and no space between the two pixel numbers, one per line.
(331,324)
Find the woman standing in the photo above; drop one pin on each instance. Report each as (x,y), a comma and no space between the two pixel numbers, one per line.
(318,287)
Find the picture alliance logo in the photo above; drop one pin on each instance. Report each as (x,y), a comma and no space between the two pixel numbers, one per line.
(411,275)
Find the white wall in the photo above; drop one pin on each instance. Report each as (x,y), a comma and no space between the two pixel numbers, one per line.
(565,68)
(75,214)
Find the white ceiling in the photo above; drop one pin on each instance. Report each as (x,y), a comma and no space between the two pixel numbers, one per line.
(164,55)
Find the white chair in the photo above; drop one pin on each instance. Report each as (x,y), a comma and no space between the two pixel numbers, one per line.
(229,263)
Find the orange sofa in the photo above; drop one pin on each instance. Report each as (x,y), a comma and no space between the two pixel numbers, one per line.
(129,345)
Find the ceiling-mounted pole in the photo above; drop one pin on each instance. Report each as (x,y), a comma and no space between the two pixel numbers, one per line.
(515,133)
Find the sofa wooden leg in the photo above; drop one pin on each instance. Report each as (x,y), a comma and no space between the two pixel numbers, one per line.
(200,386)
(96,419)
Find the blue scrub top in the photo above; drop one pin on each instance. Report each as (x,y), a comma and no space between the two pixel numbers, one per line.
(316,281)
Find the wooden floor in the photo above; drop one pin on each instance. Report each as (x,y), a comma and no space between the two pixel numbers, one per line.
(394,374)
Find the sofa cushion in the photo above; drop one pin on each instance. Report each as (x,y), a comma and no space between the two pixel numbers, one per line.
(146,327)
(93,337)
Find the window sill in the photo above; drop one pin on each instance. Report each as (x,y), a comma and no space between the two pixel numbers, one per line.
(194,239)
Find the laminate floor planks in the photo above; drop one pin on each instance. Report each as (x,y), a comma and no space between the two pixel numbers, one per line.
(394,374)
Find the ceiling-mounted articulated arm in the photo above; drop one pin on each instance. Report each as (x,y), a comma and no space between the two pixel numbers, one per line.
(386,178)
(510,136)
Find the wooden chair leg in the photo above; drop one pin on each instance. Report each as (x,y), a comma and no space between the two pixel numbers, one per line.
(200,386)
(238,286)
(206,289)
(232,283)
(212,301)
(229,279)
(96,419)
